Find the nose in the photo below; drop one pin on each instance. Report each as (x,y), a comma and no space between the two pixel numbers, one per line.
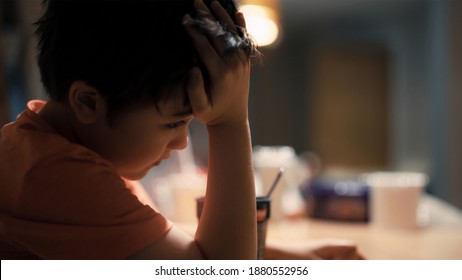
(180,141)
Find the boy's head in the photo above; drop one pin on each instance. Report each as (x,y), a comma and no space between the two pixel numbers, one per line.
(132,52)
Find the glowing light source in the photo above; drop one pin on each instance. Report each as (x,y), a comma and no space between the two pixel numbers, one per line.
(262,20)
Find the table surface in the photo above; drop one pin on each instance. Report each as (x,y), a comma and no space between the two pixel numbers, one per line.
(440,239)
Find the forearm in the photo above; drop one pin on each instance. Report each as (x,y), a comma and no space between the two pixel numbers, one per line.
(227,228)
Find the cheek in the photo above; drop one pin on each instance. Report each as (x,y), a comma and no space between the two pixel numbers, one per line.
(134,149)
(138,159)
(145,150)
(139,142)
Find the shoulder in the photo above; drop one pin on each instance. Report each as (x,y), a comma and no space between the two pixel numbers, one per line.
(75,184)
(84,206)
(30,143)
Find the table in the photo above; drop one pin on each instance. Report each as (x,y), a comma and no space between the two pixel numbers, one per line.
(441,239)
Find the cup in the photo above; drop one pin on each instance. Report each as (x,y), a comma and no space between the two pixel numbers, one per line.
(394,198)
(267,162)
(263,214)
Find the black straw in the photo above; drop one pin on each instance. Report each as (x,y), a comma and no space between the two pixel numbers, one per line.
(276,181)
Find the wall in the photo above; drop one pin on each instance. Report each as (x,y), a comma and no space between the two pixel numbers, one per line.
(423,38)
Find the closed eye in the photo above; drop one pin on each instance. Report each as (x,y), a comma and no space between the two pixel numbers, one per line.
(176,124)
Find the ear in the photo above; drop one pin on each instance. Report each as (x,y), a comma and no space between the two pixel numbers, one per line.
(86,102)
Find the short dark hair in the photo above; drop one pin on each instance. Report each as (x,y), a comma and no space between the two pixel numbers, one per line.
(131,51)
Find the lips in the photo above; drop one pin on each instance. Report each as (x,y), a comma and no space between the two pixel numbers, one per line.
(161,159)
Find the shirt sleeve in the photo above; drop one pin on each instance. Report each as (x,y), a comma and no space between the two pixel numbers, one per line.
(79,208)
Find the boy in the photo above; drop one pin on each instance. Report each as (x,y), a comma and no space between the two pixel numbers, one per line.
(125,79)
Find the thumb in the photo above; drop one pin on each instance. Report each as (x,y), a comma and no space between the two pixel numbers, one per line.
(196,92)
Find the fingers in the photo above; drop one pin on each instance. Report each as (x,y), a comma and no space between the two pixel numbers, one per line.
(240,20)
(359,256)
(350,253)
(338,249)
(218,11)
(207,52)
(196,92)
(218,26)
(200,6)
(348,250)
(221,14)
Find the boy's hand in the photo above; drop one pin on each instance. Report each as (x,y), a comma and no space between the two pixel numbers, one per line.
(322,249)
(333,249)
(225,100)
(227,229)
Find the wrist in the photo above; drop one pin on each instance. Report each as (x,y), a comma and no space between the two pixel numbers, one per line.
(231,124)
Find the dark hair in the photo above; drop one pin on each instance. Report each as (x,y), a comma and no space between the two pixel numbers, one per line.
(131,51)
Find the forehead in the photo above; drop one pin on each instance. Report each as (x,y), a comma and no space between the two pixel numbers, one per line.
(175,103)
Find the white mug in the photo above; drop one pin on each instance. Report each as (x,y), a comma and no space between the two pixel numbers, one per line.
(394,198)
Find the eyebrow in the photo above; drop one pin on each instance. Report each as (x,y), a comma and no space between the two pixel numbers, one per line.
(183,113)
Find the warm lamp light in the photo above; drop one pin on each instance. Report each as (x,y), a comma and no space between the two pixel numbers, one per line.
(262,19)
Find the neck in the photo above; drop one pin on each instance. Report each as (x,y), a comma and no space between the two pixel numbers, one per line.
(59,116)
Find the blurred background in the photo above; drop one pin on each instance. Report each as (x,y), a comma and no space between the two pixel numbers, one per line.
(362,84)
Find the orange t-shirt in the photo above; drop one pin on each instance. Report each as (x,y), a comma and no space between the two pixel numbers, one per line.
(60,200)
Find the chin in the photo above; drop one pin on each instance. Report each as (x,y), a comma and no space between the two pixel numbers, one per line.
(134,175)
